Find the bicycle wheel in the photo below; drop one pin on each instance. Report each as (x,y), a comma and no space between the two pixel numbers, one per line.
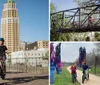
(88,76)
(83,79)
(3,76)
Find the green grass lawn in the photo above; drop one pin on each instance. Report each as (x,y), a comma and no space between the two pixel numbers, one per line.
(97,71)
(92,70)
(64,78)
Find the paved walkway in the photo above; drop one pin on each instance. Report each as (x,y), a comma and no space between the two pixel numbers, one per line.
(14,78)
(93,80)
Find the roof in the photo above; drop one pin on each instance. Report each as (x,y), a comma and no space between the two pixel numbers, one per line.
(10,1)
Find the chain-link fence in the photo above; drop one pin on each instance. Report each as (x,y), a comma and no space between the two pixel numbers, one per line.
(34,65)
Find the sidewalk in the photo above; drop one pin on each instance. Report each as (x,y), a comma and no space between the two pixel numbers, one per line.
(93,80)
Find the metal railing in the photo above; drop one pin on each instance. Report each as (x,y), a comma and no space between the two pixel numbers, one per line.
(34,65)
(76,20)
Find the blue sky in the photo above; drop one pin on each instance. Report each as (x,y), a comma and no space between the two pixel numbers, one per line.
(64,4)
(33,17)
(70,51)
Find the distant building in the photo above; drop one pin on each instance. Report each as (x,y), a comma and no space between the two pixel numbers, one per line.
(10,26)
(23,45)
(35,57)
(38,44)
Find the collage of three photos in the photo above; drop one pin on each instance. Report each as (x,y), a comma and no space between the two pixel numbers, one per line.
(49,42)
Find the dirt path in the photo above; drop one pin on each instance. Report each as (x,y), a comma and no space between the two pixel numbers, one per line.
(93,80)
(14,78)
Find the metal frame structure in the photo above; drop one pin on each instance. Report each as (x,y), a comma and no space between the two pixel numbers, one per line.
(76,20)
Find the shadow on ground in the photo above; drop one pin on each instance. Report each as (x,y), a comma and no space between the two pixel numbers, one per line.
(14,72)
(20,80)
(6,83)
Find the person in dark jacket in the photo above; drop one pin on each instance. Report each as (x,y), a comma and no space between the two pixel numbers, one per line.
(3,50)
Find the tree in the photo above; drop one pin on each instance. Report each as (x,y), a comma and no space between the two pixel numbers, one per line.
(54,36)
(97,46)
(94,56)
(46,56)
(52,7)
(82,3)
(87,38)
(87,2)
(97,36)
(90,59)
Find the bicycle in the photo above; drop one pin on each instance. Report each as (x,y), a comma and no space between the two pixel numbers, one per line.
(85,76)
(3,66)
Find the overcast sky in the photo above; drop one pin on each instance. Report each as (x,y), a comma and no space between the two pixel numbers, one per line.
(70,51)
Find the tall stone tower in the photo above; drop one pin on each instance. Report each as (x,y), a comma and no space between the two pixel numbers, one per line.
(10,26)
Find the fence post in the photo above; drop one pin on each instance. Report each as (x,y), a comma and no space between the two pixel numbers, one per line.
(95,63)
(36,65)
(9,67)
(26,64)
(17,64)
(33,64)
(9,61)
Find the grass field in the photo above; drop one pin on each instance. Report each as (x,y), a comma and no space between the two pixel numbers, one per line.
(92,70)
(64,78)
(97,71)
